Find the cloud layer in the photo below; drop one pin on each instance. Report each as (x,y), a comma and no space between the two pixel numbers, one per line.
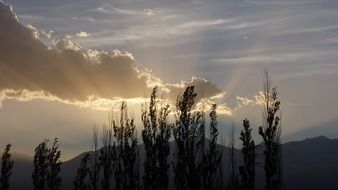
(228,42)
(67,72)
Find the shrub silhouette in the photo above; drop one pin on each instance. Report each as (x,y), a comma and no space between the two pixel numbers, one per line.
(40,166)
(155,135)
(53,178)
(233,183)
(6,168)
(211,162)
(94,174)
(47,166)
(186,133)
(82,173)
(270,133)
(126,160)
(117,161)
(106,156)
(247,170)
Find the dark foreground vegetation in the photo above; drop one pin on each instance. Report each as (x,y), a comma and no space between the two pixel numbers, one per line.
(197,161)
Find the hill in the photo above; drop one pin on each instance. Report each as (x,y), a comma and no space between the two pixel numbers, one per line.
(308,164)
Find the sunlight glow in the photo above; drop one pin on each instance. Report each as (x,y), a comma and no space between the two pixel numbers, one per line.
(92,102)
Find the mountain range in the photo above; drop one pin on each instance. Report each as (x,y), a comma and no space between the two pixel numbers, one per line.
(310,164)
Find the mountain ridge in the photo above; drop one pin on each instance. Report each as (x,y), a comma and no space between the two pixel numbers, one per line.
(307,164)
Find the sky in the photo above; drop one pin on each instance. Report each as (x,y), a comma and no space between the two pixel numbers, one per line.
(64,64)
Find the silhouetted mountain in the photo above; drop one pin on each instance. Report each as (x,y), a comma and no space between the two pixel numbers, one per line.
(22,171)
(328,129)
(309,164)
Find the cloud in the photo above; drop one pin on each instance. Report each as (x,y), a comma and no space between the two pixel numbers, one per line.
(107,9)
(318,29)
(283,3)
(200,24)
(149,12)
(269,57)
(82,34)
(223,109)
(71,74)
(258,99)
(87,19)
(48,34)
(244,101)
(92,102)
(204,89)
(34,31)
(65,44)
(111,9)
(64,71)
(155,31)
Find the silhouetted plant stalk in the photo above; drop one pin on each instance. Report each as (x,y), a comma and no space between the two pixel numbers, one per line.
(94,165)
(82,173)
(40,166)
(53,178)
(155,136)
(187,173)
(6,168)
(234,181)
(202,157)
(247,170)
(106,156)
(47,166)
(212,159)
(270,132)
(126,156)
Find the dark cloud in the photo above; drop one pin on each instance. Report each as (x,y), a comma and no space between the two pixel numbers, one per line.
(26,63)
(70,72)
(204,88)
